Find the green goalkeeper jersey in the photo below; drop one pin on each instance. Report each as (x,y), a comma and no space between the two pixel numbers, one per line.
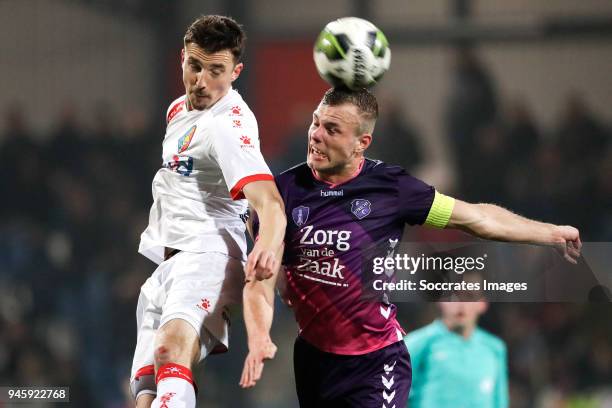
(451,371)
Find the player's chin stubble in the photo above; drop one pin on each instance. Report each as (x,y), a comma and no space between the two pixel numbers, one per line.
(328,169)
(193,101)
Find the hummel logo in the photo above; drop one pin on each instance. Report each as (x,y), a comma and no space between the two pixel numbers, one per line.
(388,397)
(384,406)
(389,368)
(393,242)
(386,383)
(385,312)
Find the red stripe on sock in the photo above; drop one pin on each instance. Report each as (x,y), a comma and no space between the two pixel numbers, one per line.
(146,370)
(172,370)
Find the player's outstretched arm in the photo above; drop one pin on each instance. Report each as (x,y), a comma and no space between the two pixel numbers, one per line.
(258,303)
(492,222)
(264,198)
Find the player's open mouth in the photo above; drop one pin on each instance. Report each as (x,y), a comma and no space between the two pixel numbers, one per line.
(317,154)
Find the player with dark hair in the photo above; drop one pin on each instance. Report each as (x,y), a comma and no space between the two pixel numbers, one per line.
(350,350)
(211,163)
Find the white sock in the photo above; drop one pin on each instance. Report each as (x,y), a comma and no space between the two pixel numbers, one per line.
(174,390)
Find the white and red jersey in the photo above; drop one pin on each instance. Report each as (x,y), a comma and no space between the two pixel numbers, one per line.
(208,157)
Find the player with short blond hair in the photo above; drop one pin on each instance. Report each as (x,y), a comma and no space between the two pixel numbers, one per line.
(350,350)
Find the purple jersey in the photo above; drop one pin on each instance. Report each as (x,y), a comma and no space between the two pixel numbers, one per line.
(329,229)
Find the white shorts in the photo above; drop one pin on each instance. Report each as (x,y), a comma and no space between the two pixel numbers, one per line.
(195,287)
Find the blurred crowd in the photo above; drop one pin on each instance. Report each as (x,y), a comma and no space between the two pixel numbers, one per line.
(560,175)
(73,207)
(75,200)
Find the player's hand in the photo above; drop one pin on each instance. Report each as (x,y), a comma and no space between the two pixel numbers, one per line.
(567,240)
(254,362)
(261,263)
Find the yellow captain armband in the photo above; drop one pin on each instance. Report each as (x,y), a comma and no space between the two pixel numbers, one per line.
(440,211)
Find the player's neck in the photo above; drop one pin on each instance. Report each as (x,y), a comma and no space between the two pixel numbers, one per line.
(463,331)
(467,332)
(348,173)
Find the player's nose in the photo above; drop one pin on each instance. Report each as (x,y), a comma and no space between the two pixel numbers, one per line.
(200,80)
(317,134)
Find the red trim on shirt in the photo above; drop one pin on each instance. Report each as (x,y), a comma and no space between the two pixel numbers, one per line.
(236,191)
(174,110)
(332,185)
(146,370)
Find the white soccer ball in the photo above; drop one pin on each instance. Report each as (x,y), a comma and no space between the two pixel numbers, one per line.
(352,51)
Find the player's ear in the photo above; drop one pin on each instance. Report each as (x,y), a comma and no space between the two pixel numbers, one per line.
(364,142)
(483,306)
(237,70)
(182,56)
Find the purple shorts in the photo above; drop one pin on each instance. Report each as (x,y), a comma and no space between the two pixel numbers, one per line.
(378,379)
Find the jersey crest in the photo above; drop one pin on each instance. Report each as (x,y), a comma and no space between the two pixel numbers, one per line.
(300,215)
(361,208)
(185,140)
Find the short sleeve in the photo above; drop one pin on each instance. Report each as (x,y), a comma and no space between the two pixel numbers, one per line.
(236,148)
(421,204)
(415,199)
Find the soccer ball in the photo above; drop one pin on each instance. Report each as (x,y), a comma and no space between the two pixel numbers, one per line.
(352,51)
